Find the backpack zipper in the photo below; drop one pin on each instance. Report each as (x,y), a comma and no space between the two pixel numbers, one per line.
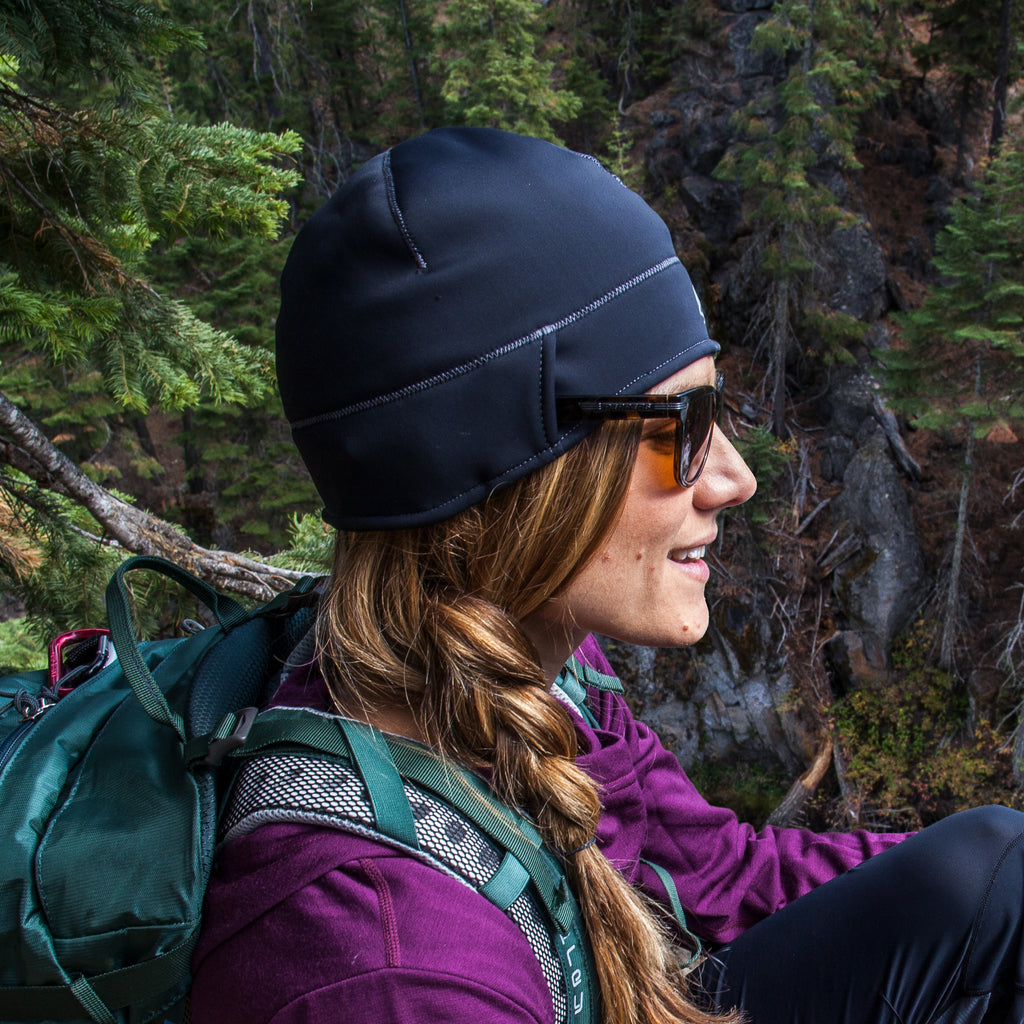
(11,742)
(31,710)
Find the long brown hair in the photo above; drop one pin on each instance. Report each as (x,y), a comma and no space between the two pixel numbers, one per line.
(428,620)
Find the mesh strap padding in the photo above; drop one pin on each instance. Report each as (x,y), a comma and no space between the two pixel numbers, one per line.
(296,788)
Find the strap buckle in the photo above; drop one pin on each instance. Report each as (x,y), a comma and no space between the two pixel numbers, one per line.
(220,746)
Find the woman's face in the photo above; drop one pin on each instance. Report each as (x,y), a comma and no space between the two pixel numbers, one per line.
(645,583)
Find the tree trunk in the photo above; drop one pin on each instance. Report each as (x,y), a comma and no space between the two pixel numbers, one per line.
(413,74)
(779,351)
(25,447)
(961,137)
(1000,85)
(952,617)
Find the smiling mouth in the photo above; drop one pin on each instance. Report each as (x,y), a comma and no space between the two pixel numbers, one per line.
(688,556)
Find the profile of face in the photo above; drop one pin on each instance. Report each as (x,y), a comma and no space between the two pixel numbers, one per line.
(645,583)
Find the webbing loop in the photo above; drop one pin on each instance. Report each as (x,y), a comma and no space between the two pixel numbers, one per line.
(506,885)
(372,757)
(98,1010)
(677,910)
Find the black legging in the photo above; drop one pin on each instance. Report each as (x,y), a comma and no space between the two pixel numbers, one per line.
(929,932)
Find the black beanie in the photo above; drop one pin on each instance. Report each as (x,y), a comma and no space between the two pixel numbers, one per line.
(434,308)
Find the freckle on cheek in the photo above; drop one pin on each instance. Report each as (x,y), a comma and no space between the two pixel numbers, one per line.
(639,555)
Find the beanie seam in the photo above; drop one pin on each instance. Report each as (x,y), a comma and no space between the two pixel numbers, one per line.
(554,445)
(457,371)
(666,362)
(590,156)
(396,212)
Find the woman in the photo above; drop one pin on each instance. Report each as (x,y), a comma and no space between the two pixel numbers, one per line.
(475,339)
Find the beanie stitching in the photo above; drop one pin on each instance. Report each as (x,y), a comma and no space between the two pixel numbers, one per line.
(589,156)
(554,444)
(666,362)
(475,364)
(396,211)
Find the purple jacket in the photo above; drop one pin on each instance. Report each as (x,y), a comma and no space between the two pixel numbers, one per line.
(309,926)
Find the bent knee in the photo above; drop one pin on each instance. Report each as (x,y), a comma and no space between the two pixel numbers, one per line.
(955,860)
(992,827)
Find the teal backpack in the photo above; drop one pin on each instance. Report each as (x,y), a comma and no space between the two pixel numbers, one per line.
(117,777)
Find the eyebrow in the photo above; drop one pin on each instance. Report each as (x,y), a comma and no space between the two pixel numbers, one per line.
(716,376)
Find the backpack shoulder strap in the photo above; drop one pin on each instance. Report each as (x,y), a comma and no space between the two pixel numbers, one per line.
(572,683)
(403,794)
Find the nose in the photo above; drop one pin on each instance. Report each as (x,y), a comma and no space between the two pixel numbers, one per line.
(726,479)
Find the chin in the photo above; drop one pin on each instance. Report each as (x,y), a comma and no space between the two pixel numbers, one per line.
(692,630)
(678,635)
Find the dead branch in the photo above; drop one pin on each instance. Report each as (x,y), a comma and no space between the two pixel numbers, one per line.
(810,517)
(892,434)
(846,549)
(26,448)
(788,810)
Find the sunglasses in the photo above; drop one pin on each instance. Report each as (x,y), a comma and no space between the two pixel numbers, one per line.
(693,411)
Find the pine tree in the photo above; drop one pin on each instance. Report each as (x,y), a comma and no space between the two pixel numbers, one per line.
(961,362)
(805,124)
(489,54)
(349,75)
(243,478)
(94,174)
(971,44)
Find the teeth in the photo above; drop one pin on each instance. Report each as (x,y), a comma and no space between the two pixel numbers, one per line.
(682,556)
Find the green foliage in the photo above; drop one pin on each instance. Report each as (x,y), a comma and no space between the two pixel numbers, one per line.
(809,119)
(962,357)
(768,458)
(95,174)
(903,741)
(963,44)
(340,72)
(20,649)
(49,558)
(618,146)
(634,43)
(806,123)
(90,192)
(834,333)
(494,74)
(246,462)
(310,546)
(243,475)
(750,791)
(75,41)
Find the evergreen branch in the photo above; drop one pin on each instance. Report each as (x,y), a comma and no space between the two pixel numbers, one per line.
(29,450)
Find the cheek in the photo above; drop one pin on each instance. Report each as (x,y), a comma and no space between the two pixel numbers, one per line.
(645,533)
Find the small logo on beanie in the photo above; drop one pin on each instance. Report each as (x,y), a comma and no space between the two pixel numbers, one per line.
(700,306)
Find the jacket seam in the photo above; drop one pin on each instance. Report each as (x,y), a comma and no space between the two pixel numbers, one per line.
(388,919)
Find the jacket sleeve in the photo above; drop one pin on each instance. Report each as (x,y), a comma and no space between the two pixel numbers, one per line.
(728,875)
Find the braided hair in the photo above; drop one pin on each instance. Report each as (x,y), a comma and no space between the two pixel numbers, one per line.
(426,621)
